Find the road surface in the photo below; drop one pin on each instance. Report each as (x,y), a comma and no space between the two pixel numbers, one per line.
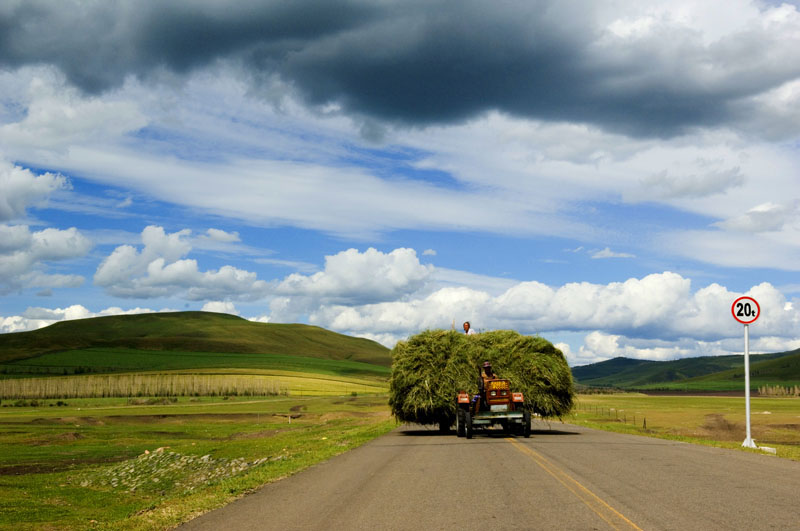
(569,477)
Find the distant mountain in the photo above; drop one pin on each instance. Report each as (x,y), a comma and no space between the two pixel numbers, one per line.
(626,373)
(194,332)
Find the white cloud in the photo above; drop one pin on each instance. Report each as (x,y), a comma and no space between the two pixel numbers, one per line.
(35,317)
(221,236)
(159,270)
(429,252)
(658,308)
(361,278)
(24,256)
(767,217)
(779,250)
(220,307)
(57,116)
(21,189)
(608,253)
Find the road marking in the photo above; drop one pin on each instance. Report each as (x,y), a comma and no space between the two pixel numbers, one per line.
(613,517)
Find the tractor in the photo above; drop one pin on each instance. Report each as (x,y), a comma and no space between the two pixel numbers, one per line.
(493,405)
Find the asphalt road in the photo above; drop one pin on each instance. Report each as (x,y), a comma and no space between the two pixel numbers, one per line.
(565,478)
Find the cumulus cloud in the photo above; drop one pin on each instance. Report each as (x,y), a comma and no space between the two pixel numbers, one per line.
(361,278)
(644,67)
(22,188)
(24,256)
(220,307)
(35,317)
(659,311)
(158,269)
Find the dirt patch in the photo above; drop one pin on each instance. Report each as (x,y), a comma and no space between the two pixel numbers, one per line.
(793,427)
(170,434)
(47,468)
(58,439)
(719,428)
(181,418)
(86,421)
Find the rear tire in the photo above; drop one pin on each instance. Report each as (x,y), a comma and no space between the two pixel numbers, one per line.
(526,423)
(468,425)
(460,426)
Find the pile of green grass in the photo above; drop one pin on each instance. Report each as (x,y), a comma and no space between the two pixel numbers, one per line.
(430,368)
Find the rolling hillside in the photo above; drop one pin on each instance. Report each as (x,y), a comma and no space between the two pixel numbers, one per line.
(712,372)
(191,332)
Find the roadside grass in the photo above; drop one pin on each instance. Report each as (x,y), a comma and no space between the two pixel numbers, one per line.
(709,420)
(106,464)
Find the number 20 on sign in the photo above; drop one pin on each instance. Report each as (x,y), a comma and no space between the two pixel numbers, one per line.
(746,310)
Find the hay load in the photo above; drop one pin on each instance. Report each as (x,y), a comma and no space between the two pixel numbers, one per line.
(431,367)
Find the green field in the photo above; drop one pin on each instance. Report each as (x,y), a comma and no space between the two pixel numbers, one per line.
(109,360)
(107,464)
(711,420)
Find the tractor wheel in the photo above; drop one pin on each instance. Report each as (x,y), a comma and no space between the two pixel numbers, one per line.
(526,423)
(468,425)
(460,425)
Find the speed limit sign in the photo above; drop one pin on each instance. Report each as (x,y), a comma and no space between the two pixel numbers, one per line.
(745,310)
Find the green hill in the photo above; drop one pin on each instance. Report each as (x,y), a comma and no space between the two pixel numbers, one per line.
(713,372)
(190,332)
(783,370)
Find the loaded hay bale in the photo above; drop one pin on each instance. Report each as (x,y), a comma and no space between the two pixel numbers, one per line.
(429,368)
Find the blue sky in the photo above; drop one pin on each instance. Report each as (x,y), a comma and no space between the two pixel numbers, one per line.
(609,176)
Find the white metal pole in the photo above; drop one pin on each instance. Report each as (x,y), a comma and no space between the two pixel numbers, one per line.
(748,442)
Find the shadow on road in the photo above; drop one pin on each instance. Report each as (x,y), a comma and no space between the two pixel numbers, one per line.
(416,432)
(553,432)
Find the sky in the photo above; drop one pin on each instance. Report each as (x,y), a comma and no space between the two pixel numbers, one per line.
(608,175)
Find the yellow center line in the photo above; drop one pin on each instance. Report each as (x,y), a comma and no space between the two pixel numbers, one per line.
(613,517)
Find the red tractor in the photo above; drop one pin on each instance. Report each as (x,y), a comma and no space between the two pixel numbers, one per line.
(494,405)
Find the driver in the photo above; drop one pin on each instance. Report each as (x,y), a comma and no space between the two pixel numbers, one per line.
(488,374)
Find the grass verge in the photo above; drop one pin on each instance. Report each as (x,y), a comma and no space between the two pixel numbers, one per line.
(708,420)
(106,464)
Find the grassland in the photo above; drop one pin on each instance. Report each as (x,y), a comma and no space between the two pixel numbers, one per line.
(107,464)
(709,420)
(712,373)
(184,425)
(191,332)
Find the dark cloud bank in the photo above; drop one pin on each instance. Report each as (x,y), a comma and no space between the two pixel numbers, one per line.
(413,63)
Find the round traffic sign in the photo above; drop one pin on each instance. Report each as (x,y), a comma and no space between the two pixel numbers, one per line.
(745,310)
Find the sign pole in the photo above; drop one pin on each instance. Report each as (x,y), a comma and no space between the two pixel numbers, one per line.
(748,442)
(746,310)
